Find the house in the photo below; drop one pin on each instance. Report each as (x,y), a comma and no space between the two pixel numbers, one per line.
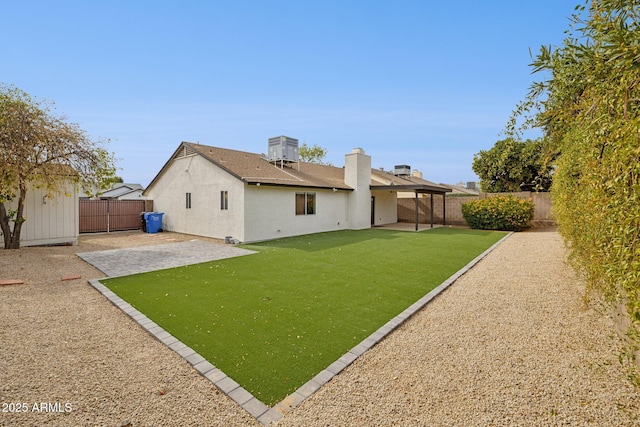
(468,189)
(124,191)
(119,191)
(220,193)
(50,219)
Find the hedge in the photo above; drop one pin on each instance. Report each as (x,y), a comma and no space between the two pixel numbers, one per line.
(498,213)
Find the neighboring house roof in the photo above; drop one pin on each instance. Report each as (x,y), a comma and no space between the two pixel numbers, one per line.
(121,189)
(456,189)
(383,179)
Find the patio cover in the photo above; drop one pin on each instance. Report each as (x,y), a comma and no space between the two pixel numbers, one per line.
(420,189)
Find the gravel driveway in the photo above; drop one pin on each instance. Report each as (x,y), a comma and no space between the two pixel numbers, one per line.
(510,343)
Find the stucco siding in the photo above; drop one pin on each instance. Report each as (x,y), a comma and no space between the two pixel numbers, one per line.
(204,181)
(385,207)
(270,213)
(357,174)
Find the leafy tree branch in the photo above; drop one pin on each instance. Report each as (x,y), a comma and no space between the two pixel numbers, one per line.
(39,149)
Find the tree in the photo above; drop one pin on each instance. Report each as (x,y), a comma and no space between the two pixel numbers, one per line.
(512,165)
(589,109)
(105,174)
(40,149)
(313,154)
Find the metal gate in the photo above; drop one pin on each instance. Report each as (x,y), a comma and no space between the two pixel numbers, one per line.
(110,215)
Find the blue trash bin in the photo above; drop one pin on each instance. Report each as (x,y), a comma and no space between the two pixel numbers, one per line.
(154,221)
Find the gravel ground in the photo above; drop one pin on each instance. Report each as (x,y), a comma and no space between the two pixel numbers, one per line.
(510,343)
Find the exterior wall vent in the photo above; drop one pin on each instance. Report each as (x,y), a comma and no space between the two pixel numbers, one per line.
(402,170)
(184,151)
(283,149)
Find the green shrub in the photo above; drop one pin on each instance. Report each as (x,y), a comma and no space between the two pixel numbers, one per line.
(498,213)
(587,106)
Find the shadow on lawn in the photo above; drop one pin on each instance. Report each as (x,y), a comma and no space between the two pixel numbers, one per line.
(329,240)
(341,238)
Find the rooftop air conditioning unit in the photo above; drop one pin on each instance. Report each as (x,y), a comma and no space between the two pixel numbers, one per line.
(402,170)
(283,149)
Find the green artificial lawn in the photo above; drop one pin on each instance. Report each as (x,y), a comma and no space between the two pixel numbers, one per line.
(273,320)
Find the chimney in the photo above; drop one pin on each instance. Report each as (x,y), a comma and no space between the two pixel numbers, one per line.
(357,175)
(416,173)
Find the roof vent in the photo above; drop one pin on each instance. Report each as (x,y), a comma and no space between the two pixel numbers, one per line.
(402,170)
(283,149)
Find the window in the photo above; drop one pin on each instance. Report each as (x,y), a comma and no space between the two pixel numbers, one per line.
(188,199)
(305,203)
(224,200)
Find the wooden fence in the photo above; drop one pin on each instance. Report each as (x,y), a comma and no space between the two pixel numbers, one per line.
(406,208)
(112,215)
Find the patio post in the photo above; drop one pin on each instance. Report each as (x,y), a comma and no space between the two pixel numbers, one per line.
(444,208)
(431,197)
(416,192)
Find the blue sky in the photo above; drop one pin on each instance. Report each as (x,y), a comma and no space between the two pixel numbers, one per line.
(422,83)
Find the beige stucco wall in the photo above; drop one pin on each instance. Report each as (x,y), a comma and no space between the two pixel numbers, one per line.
(195,175)
(50,220)
(265,212)
(270,212)
(385,207)
(357,175)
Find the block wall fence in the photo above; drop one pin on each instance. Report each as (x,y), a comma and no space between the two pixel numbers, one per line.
(542,216)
